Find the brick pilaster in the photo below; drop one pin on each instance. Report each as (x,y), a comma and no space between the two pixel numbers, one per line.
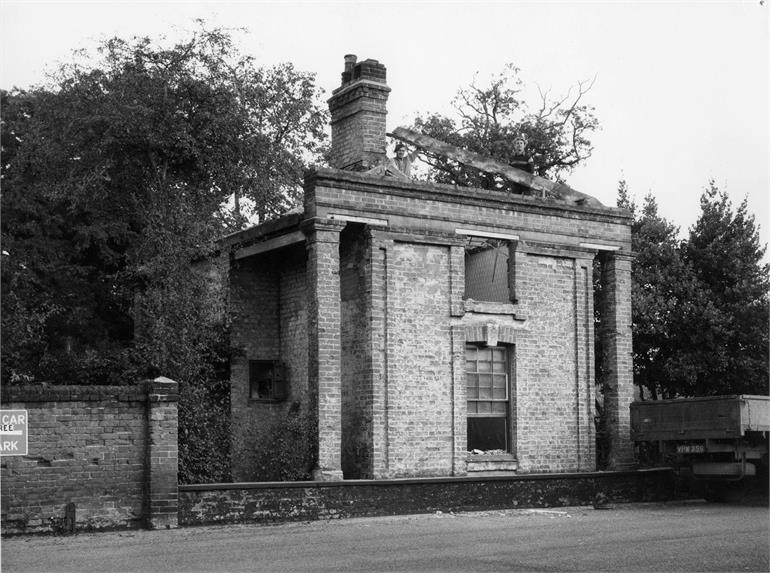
(618,358)
(585,431)
(376,289)
(324,341)
(162,454)
(456,280)
(459,403)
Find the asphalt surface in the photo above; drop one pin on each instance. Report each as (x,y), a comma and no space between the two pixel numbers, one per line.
(682,536)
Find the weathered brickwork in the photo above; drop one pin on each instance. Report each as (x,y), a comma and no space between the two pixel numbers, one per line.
(546,399)
(377,356)
(356,386)
(269,317)
(444,208)
(419,374)
(111,451)
(254,288)
(358,112)
(293,324)
(275,503)
(616,340)
(162,454)
(382,355)
(324,332)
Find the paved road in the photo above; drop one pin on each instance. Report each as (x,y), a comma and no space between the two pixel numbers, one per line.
(684,536)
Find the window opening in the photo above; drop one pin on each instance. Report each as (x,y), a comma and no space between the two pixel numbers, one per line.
(487,383)
(489,270)
(267,381)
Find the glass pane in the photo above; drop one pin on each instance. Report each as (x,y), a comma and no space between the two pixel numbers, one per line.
(470,353)
(498,354)
(261,389)
(487,434)
(485,354)
(472,408)
(498,366)
(483,407)
(471,379)
(485,380)
(473,392)
(499,381)
(499,393)
(485,393)
(485,367)
(499,407)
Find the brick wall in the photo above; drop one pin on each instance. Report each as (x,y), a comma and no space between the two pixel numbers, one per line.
(547,404)
(272,502)
(443,208)
(553,319)
(419,371)
(387,325)
(254,289)
(293,325)
(110,451)
(356,383)
(270,440)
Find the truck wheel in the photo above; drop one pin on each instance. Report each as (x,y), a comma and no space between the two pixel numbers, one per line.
(724,492)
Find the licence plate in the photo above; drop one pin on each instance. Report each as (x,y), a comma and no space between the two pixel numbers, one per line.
(690,449)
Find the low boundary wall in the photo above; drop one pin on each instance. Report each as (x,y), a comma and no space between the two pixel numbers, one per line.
(302,501)
(99,457)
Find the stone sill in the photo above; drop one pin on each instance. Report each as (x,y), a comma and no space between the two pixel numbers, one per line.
(489,307)
(491,458)
(492,463)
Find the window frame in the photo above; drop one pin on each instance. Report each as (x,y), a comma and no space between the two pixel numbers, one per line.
(478,244)
(271,372)
(508,370)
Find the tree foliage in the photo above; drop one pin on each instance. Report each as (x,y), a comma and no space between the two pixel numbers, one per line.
(115,177)
(700,306)
(728,332)
(489,118)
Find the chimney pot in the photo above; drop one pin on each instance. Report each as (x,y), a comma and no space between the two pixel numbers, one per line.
(350,62)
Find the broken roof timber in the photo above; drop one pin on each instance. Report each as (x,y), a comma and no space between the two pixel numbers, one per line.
(490,165)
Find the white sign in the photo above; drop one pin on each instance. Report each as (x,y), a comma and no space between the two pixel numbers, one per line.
(13,432)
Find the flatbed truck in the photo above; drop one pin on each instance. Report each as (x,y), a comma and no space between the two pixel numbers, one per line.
(717,445)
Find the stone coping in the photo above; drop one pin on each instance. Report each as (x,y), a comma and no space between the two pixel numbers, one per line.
(414,481)
(159,390)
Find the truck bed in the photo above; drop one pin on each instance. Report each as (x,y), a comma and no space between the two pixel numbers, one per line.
(710,417)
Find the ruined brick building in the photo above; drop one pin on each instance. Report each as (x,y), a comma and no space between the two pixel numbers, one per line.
(410,323)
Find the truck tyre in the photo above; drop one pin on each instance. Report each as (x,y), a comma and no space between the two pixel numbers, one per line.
(724,492)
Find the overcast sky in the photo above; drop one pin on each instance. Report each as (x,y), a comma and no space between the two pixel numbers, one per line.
(681,88)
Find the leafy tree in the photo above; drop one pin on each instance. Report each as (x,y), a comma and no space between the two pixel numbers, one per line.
(114,180)
(114,177)
(725,339)
(489,118)
(700,306)
(661,289)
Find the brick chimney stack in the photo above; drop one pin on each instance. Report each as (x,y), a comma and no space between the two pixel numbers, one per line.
(358,115)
